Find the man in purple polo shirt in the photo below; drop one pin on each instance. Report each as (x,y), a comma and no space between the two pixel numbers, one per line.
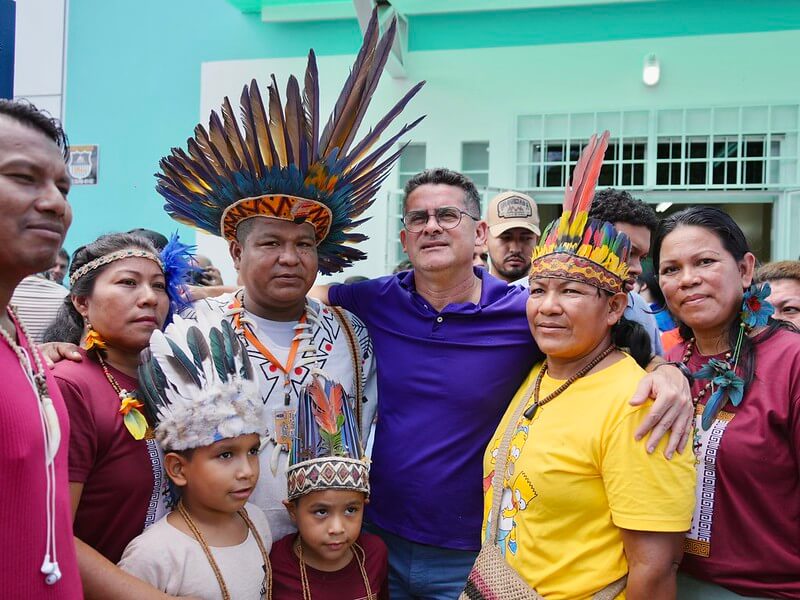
(452,345)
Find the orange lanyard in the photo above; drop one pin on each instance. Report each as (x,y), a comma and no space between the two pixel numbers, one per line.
(287,370)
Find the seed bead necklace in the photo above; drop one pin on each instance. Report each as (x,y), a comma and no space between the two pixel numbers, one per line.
(531,411)
(705,389)
(51,434)
(37,378)
(211,561)
(133,418)
(359,554)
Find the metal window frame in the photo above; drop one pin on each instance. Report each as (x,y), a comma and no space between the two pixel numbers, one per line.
(781,163)
(472,172)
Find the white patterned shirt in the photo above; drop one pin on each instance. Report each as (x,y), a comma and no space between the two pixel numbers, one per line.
(334,358)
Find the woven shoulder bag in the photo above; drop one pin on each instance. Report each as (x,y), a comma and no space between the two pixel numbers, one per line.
(491,577)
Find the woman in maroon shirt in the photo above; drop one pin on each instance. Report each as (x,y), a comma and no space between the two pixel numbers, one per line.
(746,526)
(119,296)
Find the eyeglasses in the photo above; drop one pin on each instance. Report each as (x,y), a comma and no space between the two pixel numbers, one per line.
(447,217)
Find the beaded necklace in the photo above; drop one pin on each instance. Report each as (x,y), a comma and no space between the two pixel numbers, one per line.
(51,433)
(38,383)
(211,561)
(359,554)
(686,356)
(531,410)
(267,354)
(129,406)
(303,353)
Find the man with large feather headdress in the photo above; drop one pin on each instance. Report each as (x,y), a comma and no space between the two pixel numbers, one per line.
(286,190)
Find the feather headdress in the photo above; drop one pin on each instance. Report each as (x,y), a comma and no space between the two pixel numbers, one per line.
(577,247)
(326,452)
(278,164)
(198,385)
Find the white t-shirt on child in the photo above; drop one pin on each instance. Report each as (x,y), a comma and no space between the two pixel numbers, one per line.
(174,562)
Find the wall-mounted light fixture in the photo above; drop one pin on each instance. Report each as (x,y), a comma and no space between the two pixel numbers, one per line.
(663,206)
(651,72)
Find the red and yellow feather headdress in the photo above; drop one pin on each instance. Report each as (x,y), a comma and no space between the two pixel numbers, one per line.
(579,248)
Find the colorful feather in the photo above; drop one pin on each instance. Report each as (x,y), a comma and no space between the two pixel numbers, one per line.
(198,346)
(279,150)
(182,362)
(217,345)
(575,233)
(189,400)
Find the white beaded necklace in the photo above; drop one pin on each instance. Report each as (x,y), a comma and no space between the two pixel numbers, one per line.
(51,432)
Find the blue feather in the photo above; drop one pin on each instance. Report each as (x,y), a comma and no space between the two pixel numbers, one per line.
(715,402)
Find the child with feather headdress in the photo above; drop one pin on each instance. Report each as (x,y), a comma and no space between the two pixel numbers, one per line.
(328,486)
(209,420)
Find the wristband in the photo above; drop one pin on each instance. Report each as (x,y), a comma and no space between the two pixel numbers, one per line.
(681,367)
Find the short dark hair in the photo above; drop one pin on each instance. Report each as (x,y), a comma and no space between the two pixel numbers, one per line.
(442,176)
(64,254)
(618,206)
(25,113)
(243,230)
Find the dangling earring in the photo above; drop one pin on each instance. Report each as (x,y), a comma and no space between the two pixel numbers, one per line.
(93,339)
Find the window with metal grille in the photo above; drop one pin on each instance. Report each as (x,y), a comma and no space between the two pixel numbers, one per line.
(715,148)
(475,162)
(624,165)
(411,162)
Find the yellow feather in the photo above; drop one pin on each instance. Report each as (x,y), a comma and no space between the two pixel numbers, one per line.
(563,224)
(576,230)
(136,424)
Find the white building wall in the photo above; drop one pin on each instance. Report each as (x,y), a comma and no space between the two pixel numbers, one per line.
(39,52)
(476,94)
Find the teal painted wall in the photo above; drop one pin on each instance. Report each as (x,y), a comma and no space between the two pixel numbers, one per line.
(133,74)
(133,87)
(601,22)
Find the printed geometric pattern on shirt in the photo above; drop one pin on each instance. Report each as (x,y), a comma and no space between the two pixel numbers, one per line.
(364,341)
(326,335)
(698,539)
(160,492)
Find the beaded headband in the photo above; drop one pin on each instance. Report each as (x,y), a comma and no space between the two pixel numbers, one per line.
(109,258)
(330,473)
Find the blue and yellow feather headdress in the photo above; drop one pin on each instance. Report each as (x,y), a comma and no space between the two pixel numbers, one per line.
(579,248)
(279,165)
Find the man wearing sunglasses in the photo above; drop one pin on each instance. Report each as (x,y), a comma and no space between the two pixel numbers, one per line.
(453,345)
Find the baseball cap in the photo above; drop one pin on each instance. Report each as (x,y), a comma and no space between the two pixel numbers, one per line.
(512,209)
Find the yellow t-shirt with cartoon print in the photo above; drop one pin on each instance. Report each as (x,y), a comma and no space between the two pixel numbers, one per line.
(575,476)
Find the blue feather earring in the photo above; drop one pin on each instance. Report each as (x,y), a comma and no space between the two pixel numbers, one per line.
(727,386)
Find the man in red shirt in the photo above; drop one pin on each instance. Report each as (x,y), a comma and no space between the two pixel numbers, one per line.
(37,550)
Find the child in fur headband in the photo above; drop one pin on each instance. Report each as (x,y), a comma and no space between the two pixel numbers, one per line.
(198,386)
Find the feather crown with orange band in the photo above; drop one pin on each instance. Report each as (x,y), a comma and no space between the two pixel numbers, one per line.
(281,166)
(576,247)
(326,452)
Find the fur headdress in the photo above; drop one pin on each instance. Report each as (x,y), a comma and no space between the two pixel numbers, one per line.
(579,248)
(198,385)
(279,165)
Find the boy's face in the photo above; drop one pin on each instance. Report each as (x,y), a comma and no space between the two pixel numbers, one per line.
(329,522)
(219,477)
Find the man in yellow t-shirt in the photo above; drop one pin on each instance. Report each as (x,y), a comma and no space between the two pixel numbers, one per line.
(576,476)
